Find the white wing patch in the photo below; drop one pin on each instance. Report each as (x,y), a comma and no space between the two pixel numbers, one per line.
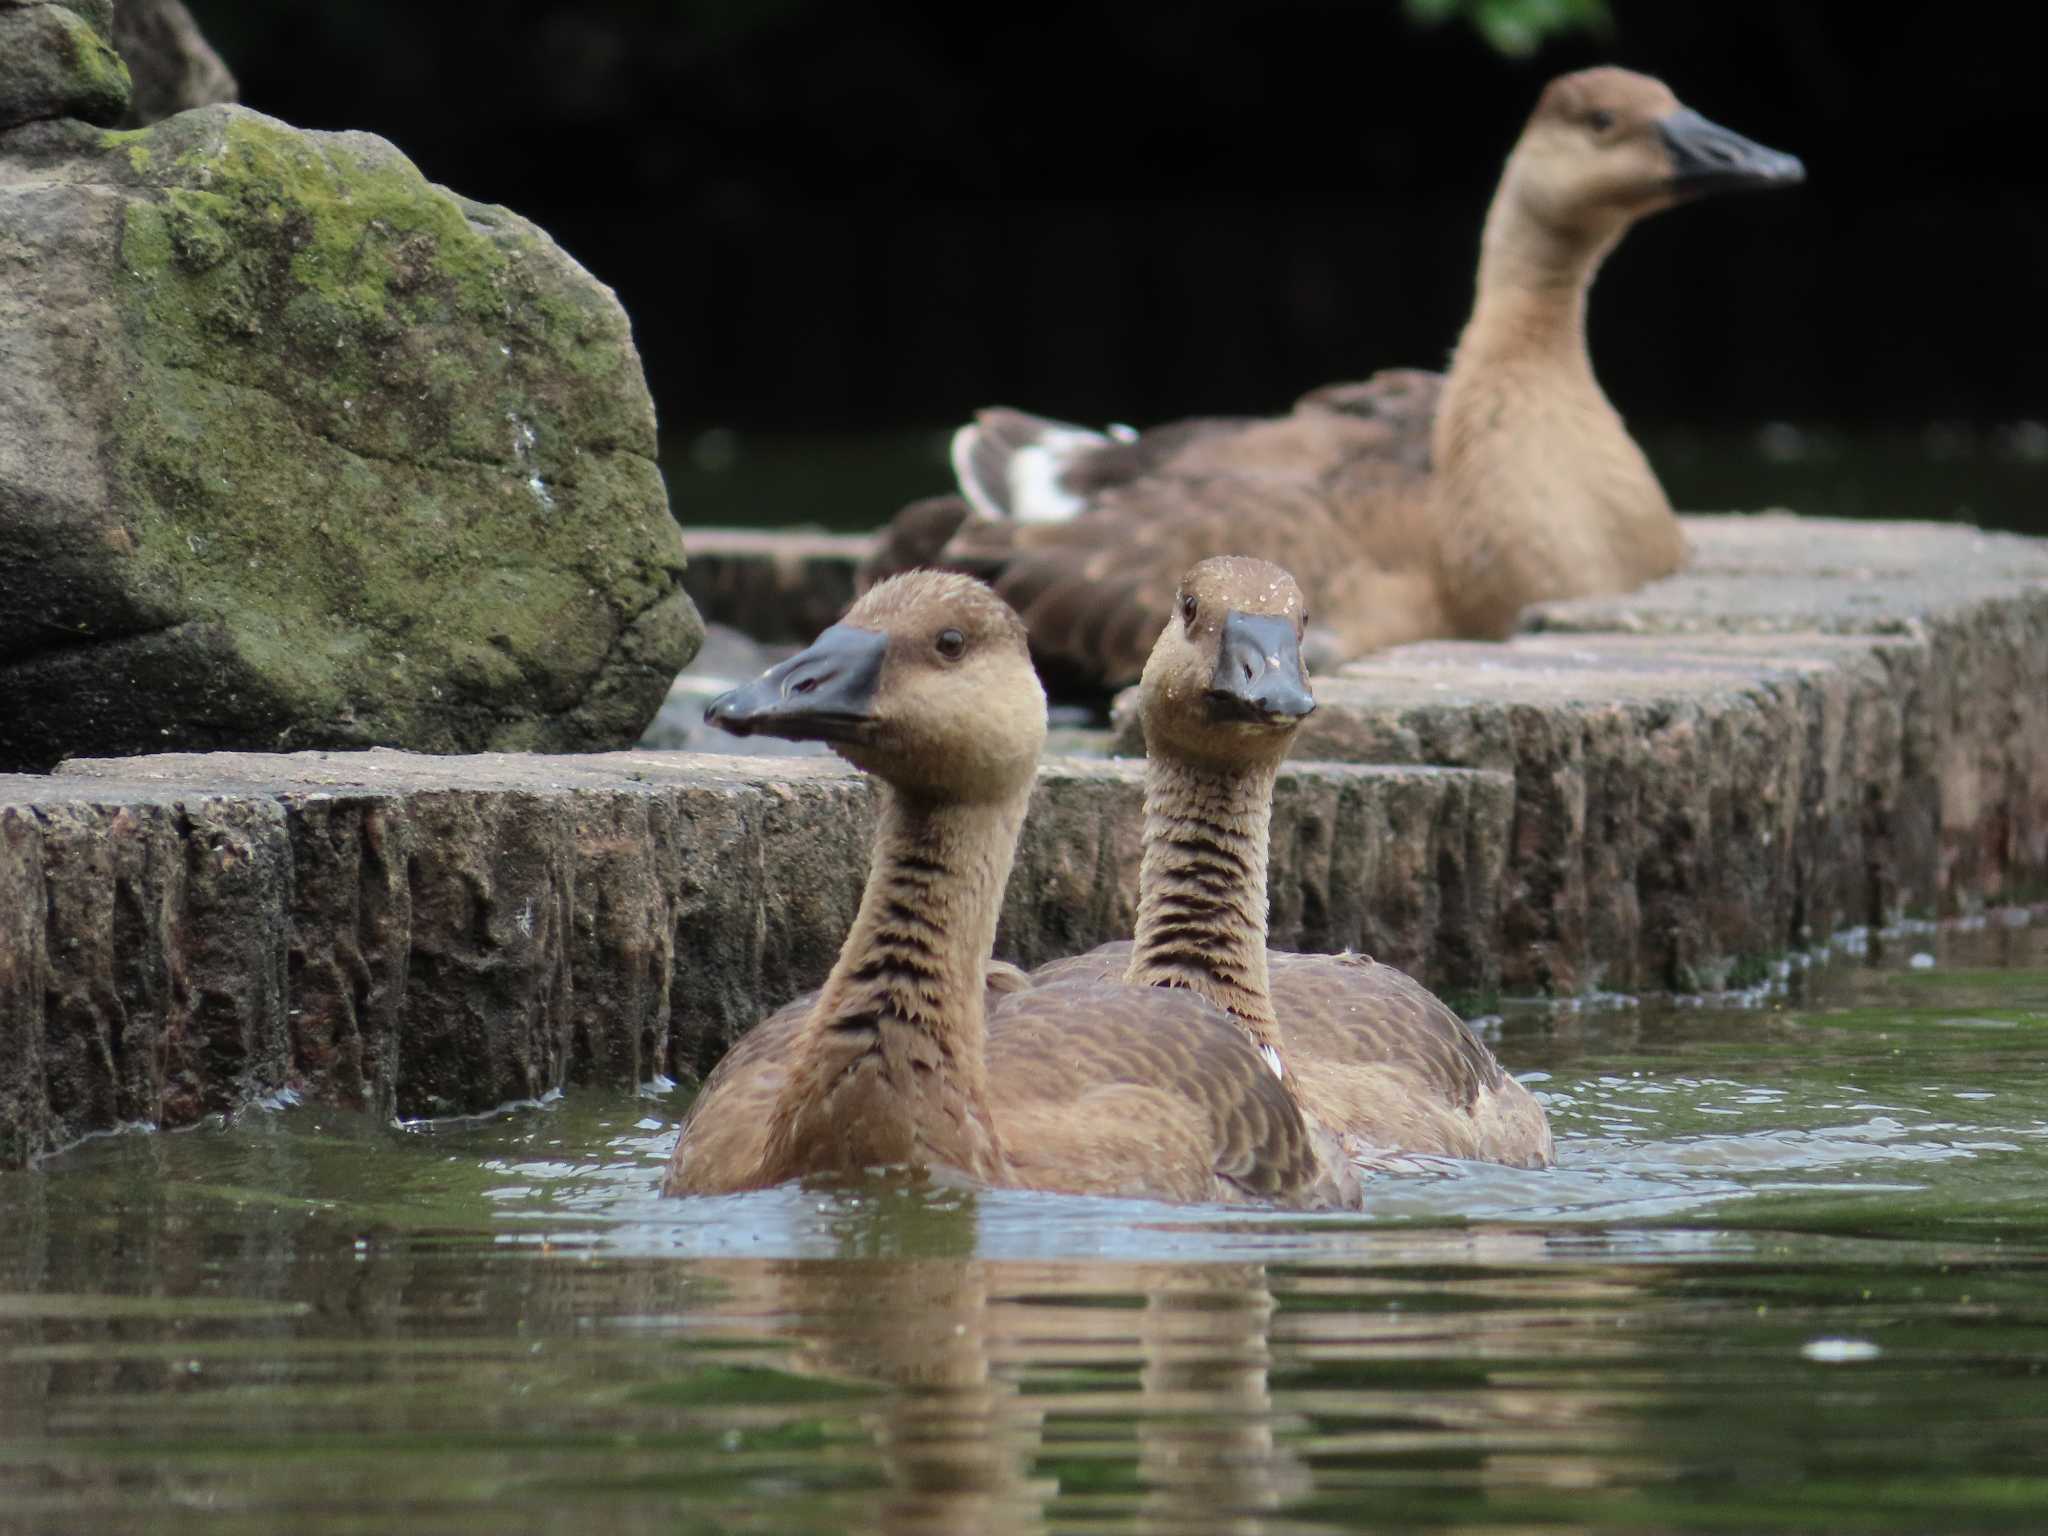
(1031,491)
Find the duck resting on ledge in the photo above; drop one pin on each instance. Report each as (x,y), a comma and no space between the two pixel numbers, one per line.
(1412,505)
(1103,1088)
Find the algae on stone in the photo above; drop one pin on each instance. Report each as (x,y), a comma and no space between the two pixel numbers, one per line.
(381,456)
(55,61)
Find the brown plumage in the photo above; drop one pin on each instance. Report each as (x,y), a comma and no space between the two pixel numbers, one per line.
(918,1050)
(1410,505)
(1107,1089)
(1367,1051)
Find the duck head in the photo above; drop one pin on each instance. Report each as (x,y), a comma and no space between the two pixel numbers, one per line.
(927,683)
(1225,682)
(1606,146)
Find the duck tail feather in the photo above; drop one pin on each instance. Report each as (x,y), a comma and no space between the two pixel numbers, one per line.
(1012,464)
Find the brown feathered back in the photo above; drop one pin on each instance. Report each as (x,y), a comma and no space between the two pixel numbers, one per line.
(1380,1057)
(1108,1089)
(1376,1058)
(1095,590)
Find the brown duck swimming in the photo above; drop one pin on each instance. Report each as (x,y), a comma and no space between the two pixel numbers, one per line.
(1411,505)
(1367,1051)
(914,1053)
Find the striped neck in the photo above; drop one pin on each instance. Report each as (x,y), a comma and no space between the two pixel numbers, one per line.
(1202,887)
(893,1053)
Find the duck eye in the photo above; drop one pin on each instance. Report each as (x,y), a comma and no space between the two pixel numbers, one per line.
(951,644)
(1188,608)
(1599,120)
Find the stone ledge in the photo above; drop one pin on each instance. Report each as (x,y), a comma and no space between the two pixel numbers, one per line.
(428,935)
(1797,573)
(142,957)
(776,586)
(1774,572)
(1680,807)
(1815,725)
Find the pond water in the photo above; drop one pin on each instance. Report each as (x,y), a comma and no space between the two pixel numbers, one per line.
(1791,1274)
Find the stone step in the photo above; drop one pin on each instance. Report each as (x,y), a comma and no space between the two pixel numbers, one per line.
(434,935)
(1814,725)
(1681,809)
(773,585)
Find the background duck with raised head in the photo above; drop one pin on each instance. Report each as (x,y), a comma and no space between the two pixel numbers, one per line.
(912,1054)
(1413,505)
(1367,1051)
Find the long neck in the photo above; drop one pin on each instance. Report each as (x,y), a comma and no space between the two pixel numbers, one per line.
(1202,887)
(1533,280)
(1539,491)
(891,1064)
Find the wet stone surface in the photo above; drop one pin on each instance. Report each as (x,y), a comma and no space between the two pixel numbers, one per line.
(428,936)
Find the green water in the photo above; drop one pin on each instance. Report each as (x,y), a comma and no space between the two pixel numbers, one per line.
(1791,1274)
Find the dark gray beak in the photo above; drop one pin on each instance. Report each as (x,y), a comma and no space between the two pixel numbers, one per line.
(1706,157)
(1258,674)
(826,692)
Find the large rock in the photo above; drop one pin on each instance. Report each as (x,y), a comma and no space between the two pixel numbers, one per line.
(173,67)
(430,935)
(299,449)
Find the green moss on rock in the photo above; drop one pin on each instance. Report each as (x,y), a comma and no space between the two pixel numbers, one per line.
(394,444)
(101,72)
(55,62)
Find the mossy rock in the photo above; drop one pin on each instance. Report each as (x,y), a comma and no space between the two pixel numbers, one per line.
(301,450)
(55,61)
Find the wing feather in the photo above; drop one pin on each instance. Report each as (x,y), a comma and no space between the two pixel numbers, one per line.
(1331,490)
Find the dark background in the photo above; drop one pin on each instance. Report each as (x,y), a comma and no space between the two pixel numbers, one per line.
(828,217)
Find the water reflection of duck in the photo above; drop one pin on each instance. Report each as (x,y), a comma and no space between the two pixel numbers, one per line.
(1103,1088)
(1022,1395)
(961,1343)
(1368,1051)
(1412,505)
